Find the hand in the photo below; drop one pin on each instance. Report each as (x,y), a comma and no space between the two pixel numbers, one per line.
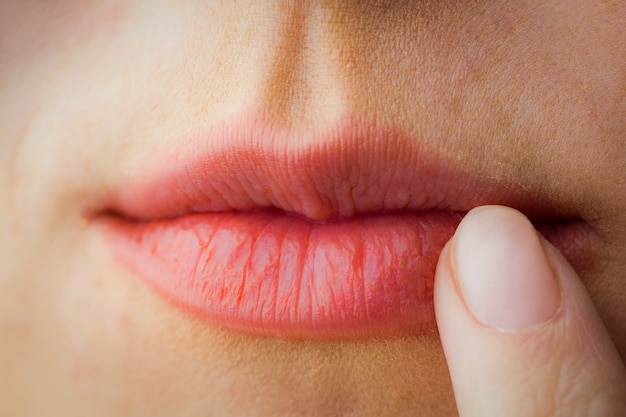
(520,333)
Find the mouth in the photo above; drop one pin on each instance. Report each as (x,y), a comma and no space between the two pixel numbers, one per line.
(329,235)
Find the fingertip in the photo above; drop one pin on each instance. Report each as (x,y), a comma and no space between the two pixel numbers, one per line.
(517,326)
(501,270)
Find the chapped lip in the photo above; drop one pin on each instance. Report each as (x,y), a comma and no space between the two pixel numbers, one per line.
(330,234)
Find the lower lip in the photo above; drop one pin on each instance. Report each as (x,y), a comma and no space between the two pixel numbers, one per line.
(278,275)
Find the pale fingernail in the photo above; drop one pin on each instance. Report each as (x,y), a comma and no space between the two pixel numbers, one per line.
(502,270)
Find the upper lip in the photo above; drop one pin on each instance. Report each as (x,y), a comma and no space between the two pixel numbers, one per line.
(353,167)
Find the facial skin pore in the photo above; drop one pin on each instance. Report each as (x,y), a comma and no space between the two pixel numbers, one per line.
(528,94)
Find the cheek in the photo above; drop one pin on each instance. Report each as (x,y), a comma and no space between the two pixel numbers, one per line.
(100,19)
(29,26)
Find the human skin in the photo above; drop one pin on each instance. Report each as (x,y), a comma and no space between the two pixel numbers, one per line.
(529,94)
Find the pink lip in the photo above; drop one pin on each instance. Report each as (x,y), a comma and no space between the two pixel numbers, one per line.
(328,235)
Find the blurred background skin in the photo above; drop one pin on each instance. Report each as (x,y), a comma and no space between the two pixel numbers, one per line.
(532,93)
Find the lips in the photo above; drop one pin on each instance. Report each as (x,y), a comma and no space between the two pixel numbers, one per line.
(330,234)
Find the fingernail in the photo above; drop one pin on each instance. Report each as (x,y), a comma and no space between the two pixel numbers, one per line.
(502,271)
